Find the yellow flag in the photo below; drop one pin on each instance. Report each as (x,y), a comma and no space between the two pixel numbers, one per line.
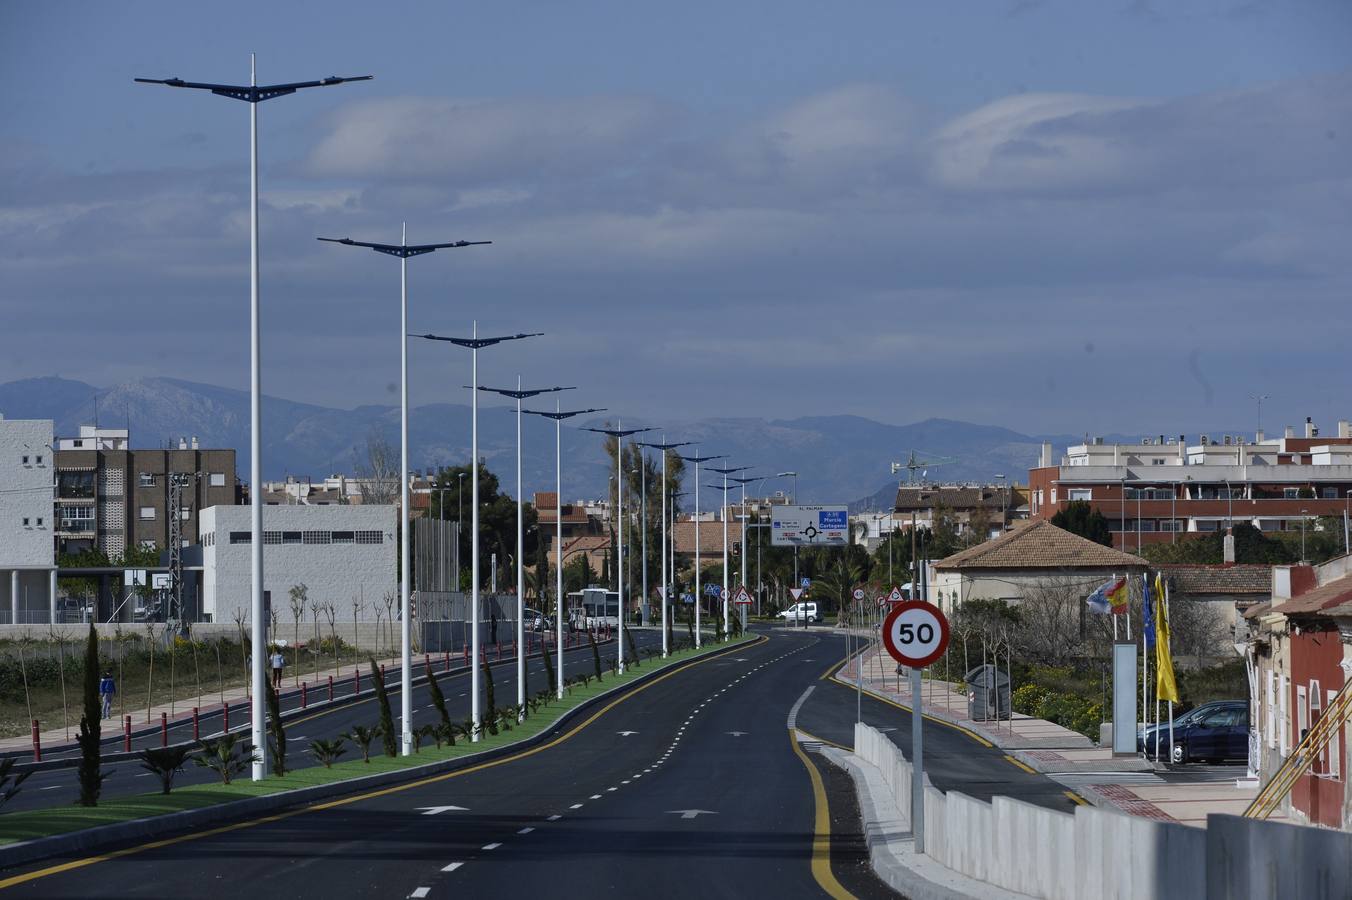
(1165,686)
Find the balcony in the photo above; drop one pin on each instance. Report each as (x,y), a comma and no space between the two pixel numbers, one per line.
(75,526)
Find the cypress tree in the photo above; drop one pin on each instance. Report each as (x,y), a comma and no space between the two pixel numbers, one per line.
(438,699)
(489,698)
(91,728)
(387,732)
(629,639)
(278,732)
(549,666)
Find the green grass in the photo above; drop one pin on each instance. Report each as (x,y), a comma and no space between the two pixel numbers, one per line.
(30,824)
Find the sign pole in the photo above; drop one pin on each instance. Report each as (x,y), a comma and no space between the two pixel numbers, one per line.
(917,764)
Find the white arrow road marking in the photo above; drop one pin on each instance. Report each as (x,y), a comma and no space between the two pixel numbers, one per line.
(691,813)
(626,733)
(433,810)
(737,733)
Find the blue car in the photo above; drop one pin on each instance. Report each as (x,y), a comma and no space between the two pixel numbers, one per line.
(1213,731)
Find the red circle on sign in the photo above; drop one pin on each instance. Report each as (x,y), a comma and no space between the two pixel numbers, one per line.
(902,654)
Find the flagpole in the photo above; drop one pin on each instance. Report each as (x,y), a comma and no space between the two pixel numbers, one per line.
(1169,637)
(1145,665)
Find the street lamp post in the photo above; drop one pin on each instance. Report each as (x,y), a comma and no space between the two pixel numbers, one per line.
(518,395)
(475,344)
(403,251)
(699,587)
(727,590)
(619,434)
(664,447)
(558,415)
(745,518)
(253,93)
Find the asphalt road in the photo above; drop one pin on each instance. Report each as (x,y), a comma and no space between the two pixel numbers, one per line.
(59,787)
(689,785)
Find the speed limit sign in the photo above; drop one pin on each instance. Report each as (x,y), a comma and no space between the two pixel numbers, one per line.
(859,593)
(915,633)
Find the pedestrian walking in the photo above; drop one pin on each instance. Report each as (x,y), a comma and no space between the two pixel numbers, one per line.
(107,688)
(278,663)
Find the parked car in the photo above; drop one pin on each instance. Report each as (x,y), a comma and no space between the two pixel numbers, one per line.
(796,613)
(1213,731)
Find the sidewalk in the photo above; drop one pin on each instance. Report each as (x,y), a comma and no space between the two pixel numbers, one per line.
(179,713)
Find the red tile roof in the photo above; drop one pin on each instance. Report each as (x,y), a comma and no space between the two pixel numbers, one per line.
(1040,545)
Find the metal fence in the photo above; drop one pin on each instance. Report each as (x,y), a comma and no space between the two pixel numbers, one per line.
(443,619)
(436,555)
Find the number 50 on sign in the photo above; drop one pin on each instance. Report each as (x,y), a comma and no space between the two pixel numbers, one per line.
(915,633)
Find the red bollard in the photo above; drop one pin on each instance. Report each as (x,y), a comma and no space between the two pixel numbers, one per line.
(448,662)
(164,729)
(499,646)
(304,700)
(196,733)
(225,712)
(427,664)
(330,688)
(356,681)
(37,743)
(126,734)
(467,655)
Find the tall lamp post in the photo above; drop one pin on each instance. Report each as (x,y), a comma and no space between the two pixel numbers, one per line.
(558,415)
(402,251)
(253,94)
(619,434)
(699,587)
(475,344)
(727,589)
(518,395)
(664,447)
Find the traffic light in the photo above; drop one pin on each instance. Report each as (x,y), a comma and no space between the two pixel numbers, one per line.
(736,548)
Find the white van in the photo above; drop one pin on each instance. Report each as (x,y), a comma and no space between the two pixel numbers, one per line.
(796,612)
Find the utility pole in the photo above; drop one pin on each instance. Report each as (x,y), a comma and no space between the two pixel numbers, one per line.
(699,586)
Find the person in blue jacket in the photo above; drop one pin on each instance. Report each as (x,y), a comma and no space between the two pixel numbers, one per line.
(107,688)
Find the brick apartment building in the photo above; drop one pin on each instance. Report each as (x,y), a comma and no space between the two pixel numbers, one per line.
(112,498)
(1165,489)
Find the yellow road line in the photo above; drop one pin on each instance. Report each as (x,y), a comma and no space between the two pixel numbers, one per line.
(1079,801)
(1022,765)
(343,801)
(821,830)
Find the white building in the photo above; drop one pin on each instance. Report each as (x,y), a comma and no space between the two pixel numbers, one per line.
(27,560)
(341,554)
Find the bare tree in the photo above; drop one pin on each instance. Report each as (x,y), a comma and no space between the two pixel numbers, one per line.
(379,472)
(1050,614)
(390,599)
(299,597)
(358,607)
(1198,628)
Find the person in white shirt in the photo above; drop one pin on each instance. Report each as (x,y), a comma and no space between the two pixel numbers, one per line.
(278,663)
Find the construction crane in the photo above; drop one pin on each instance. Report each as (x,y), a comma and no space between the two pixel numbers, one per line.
(912,464)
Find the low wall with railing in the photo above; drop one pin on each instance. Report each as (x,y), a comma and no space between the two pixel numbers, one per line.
(1106,854)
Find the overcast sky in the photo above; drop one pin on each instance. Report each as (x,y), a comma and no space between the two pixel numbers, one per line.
(1054,216)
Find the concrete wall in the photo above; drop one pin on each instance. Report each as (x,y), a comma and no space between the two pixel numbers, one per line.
(1106,854)
(26,473)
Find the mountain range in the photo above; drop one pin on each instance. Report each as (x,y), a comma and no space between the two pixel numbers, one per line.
(840,459)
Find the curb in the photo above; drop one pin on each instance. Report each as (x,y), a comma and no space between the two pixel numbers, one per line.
(235,810)
(70,762)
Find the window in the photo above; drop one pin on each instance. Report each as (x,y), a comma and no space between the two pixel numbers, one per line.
(344,537)
(217,479)
(1207,525)
(37,460)
(1272,710)
(1157,462)
(370,537)
(185,514)
(25,522)
(1145,525)
(1283,697)
(1291,493)
(79,443)
(1171,524)
(1327,493)
(290,537)
(1315,712)
(147,512)
(272,537)
(241,537)
(317,537)
(146,479)
(39,521)
(1081,494)
(1302,713)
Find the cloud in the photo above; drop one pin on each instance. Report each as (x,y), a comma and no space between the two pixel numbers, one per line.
(466,140)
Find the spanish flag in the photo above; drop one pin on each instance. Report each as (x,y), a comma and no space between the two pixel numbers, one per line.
(1165,686)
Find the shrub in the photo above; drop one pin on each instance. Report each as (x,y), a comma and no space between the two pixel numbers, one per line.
(1028,698)
(596,654)
(165,763)
(362,737)
(327,752)
(91,728)
(9,784)
(386,729)
(224,757)
(489,697)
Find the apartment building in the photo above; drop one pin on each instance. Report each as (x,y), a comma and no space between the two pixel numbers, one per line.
(1165,488)
(27,565)
(112,498)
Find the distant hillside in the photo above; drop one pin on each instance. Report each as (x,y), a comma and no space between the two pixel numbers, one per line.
(840,459)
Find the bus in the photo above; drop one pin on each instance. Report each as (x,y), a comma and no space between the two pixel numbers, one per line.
(593,607)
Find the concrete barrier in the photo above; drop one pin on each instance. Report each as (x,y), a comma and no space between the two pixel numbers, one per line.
(1107,854)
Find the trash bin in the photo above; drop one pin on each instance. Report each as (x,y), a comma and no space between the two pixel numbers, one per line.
(987,694)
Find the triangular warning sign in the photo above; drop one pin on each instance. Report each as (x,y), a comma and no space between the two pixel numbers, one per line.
(895,596)
(795,593)
(741,596)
